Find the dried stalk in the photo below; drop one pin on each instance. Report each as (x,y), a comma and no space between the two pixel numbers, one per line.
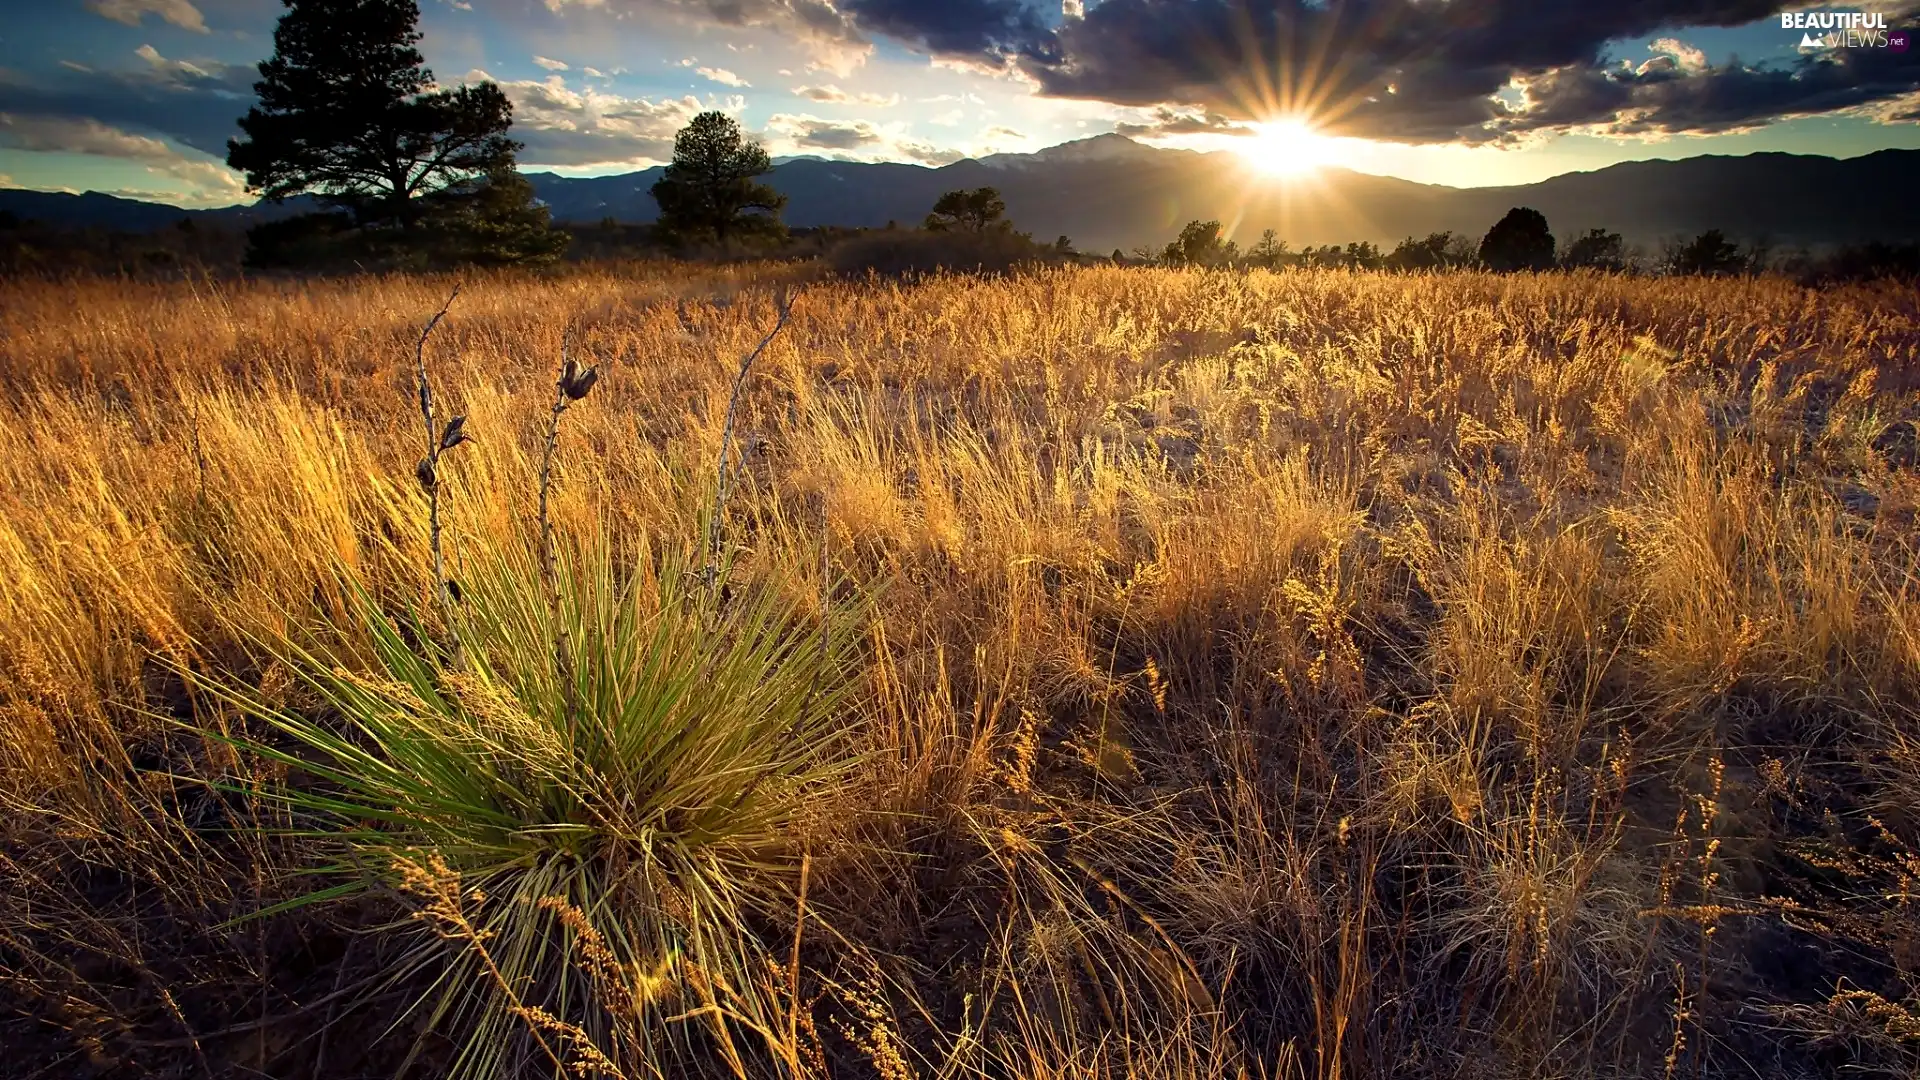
(571,385)
(711,573)
(428,471)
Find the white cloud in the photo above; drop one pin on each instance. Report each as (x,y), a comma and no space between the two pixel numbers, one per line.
(563,126)
(830,94)
(1685,57)
(592,73)
(721,76)
(207,181)
(180,13)
(857,140)
(169,67)
(550,64)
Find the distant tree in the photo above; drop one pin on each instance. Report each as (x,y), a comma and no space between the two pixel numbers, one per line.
(1364,255)
(1519,241)
(347,113)
(1439,251)
(1198,244)
(497,221)
(968,210)
(1063,244)
(1710,253)
(1270,252)
(1119,256)
(708,191)
(1598,249)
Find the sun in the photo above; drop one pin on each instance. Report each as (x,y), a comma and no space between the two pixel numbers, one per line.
(1286,148)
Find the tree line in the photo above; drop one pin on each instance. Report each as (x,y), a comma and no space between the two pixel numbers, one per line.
(1519,241)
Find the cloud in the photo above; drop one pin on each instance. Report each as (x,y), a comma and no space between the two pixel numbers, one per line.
(172,70)
(1164,121)
(721,76)
(814,133)
(207,181)
(863,140)
(1684,56)
(827,32)
(986,30)
(180,13)
(562,126)
(833,95)
(1658,100)
(195,103)
(549,63)
(1401,70)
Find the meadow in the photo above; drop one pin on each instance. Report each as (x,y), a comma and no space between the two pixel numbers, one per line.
(1089,673)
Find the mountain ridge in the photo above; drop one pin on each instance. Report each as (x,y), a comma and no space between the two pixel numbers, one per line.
(1108,191)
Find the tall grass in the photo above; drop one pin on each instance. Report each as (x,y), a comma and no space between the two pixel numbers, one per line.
(1309,674)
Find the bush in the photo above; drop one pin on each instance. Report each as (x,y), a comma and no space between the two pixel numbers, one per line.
(911,253)
(645,799)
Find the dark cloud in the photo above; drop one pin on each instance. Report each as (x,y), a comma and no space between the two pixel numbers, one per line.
(979,29)
(1404,70)
(1409,70)
(1666,98)
(195,103)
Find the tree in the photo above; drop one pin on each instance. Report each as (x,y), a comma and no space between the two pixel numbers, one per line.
(1439,251)
(1270,252)
(497,221)
(1519,241)
(708,192)
(1199,244)
(1597,250)
(348,113)
(1710,253)
(968,210)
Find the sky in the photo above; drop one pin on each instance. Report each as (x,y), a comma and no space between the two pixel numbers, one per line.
(138,97)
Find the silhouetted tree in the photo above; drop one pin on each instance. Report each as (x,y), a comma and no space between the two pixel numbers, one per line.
(708,190)
(347,114)
(1710,253)
(1438,251)
(1270,252)
(968,210)
(1199,244)
(1598,249)
(1519,241)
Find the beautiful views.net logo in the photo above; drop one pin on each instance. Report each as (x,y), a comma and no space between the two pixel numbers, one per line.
(1845,30)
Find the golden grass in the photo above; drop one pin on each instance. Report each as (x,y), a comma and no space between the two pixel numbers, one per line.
(1304,674)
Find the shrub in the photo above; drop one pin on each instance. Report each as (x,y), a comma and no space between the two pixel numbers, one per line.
(636,790)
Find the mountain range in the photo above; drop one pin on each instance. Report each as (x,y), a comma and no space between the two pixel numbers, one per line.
(1110,192)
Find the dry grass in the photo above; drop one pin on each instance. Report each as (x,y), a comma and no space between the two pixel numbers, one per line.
(1309,674)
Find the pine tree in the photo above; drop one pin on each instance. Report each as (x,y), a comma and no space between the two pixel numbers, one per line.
(708,191)
(348,113)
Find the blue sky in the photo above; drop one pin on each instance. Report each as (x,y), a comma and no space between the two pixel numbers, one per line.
(136,97)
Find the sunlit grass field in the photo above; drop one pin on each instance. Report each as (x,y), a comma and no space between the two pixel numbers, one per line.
(1095,673)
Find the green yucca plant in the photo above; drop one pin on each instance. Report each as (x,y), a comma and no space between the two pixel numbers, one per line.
(641,797)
